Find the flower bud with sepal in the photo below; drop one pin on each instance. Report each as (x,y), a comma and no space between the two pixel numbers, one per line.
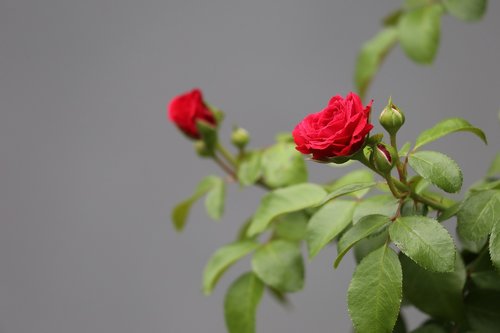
(383,158)
(240,137)
(201,149)
(392,118)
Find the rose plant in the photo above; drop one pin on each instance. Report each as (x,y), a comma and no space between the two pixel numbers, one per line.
(389,213)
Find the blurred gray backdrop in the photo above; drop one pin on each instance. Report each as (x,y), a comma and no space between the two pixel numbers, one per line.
(90,167)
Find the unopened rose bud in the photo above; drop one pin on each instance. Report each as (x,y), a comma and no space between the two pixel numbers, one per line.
(392,118)
(383,158)
(240,137)
(201,148)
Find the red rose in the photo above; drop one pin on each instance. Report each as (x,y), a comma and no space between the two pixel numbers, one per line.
(185,110)
(338,130)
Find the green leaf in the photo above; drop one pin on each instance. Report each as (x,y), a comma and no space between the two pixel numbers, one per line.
(280,265)
(371,243)
(374,295)
(425,241)
(478,214)
(437,294)
(489,280)
(494,170)
(364,228)
(495,245)
(180,213)
(405,149)
(327,223)
(214,202)
(222,259)
(347,189)
(371,56)
(483,307)
(430,328)
(485,185)
(283,166)
(419,33)
(250,168)
(240,303)
(282,201)
(208,135)
(279,297)
(437,168)
(292,226)
(446,127)
(466,10)
(356,176)
(383,204)
(412,208)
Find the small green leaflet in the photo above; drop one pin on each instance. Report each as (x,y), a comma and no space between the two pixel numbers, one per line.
(282,165)
(214,203)
(466,10)
(478,214)
(437,168)
(419,33)
(495,245)
(437,294)
(404,149)
(355,176)
(375,292)
(222,259)
(250,168)
(291,226)
(494,170)
(240,303)
(446,127)
(366,246)
(280,265)
(383,204)
(364,228)
(282,201)
(371,56)
(489,280)
(327,223)
(425,241)
(347,189)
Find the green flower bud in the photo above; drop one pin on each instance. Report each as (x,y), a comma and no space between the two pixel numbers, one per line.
(240,137)
(201,148)
(392,118)
(382,157)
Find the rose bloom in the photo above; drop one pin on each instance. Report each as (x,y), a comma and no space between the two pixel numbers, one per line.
(186,109)
(338,130)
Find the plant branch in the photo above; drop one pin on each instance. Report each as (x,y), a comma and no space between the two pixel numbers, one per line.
(429,202)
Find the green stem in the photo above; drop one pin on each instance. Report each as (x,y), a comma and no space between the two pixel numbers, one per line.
(394,184)
(393,188)
(224,166)
(399,165)
(227,154)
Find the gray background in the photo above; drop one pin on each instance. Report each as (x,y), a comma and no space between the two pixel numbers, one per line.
(90,167)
